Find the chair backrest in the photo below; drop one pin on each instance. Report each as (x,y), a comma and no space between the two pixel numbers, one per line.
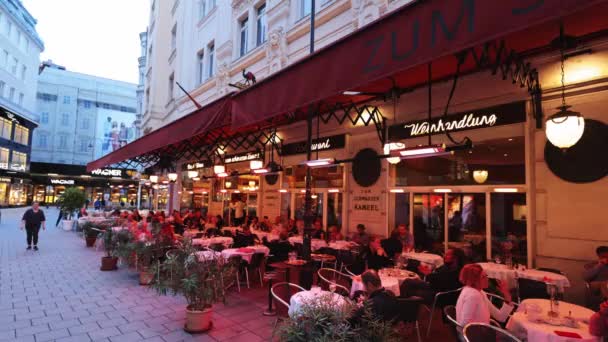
(450,313)
(481,332)
(256,260)
(330,276)
(281,295)
(409,308)
(350,270)
(236,259)
(529,288)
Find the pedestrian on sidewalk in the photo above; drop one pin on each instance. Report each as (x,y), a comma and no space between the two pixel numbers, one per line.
(32,220)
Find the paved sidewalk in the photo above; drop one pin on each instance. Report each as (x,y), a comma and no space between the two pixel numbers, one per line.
(59,294)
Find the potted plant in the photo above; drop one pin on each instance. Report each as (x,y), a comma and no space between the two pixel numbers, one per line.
(200,281)
(72,199)
(146,252)
(90,233)
(110,260)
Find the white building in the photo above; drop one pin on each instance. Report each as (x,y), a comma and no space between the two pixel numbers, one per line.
(82,117)
(141,61)
(20,48)
(206,44)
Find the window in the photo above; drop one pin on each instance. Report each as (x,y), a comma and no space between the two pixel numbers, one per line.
(18,161)
(202,9)
(9,29)
(87,104)
(305,6)
(63,142)
(5,59)
(174,37)
(200,61)
(46,97)
(21,99)
(44,117)
(27,45)
(66,100)
(22,135)
(106,106)
(18,38)
(4,152)
(262,25)
(14,66)
(243,40)
(83,146)
(7,128)
(11,94)
(65,119)
(2,84)
(84,124)
(171,81)
(23,72)
(42,140)
(210,57)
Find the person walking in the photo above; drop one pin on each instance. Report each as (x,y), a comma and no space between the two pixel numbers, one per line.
(32,220)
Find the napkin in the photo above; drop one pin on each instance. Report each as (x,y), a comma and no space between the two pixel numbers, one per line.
(567,334)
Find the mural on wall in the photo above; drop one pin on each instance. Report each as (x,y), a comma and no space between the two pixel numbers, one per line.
(114,130)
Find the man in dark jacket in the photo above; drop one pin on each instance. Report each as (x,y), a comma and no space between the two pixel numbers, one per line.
(382,303)
(279,249)
(32,220)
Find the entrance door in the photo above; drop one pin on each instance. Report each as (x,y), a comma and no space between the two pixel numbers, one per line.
(466,217)
(429,226)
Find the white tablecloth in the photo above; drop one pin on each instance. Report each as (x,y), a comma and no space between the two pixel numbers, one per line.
(504,273)
(227,253)
(343,244)
(388,283)
(314,243)
(475,239)
(268,235)
(313,297)
(521,327)
(226,241)
(207,255)
(191,232)
(427,258)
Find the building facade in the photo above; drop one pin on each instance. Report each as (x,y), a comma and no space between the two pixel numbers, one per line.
(206,44)
(81,117)
(141,62)
(20,48)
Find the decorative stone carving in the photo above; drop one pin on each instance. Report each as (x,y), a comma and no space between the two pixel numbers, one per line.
(239,5)
(366,11)
(276,50)
(222,78)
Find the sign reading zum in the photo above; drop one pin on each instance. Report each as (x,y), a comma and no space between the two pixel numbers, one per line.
(504,114)
(242,157)
(319,144)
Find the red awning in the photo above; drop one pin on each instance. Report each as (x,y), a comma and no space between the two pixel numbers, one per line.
(215,114)
(400,44)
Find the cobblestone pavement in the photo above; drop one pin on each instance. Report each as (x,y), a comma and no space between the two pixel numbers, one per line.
(59,294)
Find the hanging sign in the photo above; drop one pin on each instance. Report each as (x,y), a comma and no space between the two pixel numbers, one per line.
(505,114)
(319,144)
(242,157)
(62,181)
(201,164)
(113,172)
(5,179)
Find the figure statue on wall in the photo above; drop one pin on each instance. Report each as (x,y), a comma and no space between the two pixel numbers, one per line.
(276,50)
(222,79)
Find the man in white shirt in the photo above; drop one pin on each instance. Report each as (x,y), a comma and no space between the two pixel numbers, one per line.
(239,211)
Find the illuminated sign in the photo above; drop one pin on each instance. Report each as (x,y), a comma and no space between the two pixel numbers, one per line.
(242,157)
(107,172)
(320,144)
(63,181)
(5,180)
(201,164)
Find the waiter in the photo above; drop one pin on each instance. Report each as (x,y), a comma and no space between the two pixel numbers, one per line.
(32,220)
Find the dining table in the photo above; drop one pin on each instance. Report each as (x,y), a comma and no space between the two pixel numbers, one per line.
(232,230)
(315,244)
(343,245)
(206,242)
(531,322)
(245,252)
(509,275)
(315,297)
(430,259)
(391,279)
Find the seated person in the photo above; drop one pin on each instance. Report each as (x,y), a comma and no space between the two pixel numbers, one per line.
(382,303)
(292,229)
(444,278)
(598,324)
(254,224)
(299,227)
(219,222)
(318,232)
(265,225)
(473,305)
(599,271)
(166,236)
(277,227)
(392,245)
(406,237)
(360,237)
(245,238)
(334,234)
(377,257)
(279,249)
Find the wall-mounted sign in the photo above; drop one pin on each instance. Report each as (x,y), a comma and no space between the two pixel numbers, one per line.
(201,164)
(111,172)
(242,157)
(505,114)
(5,180)
(320,144)
(62,181)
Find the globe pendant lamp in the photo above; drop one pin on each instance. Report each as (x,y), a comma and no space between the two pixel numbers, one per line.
(480,176)
(566,127)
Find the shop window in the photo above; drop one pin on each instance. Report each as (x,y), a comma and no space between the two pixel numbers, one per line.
(18,194)
(18,161)
(501,159)
(467,224)
(22,135)
(509,234)
(326,177)
(429,227)
(317,206)
(4,153)
(3,193)
(6,128)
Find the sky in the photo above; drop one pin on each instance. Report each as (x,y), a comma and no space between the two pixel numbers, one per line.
(96,37)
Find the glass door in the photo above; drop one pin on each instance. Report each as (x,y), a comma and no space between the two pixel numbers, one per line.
(317,205)
(466,217)
(429,230)
(509,232)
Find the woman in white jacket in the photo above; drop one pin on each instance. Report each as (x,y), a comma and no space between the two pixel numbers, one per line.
(473,305)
